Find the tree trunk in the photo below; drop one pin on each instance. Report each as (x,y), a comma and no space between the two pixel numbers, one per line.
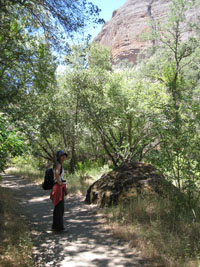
(73,158)
(108,152)
(153,26)
(73,145)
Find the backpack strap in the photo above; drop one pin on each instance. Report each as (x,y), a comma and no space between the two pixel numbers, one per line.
(61,169)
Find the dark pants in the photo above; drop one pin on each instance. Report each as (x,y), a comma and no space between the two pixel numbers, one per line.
(58,215)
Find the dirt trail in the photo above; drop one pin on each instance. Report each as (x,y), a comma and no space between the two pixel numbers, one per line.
(86,244)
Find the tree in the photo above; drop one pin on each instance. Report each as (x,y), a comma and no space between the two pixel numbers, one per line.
(30,31)
(10,144)
(176,54)
(89,102)
(26,27)
(54,18)
(109,106)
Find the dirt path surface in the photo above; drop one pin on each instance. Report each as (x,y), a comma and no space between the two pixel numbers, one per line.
(87,243)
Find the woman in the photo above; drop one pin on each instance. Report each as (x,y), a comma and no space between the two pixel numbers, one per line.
(58,191)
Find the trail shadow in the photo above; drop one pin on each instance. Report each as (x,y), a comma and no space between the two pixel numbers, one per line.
(86,243)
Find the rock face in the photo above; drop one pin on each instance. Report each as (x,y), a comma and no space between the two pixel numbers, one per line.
(124,33)
(125,182)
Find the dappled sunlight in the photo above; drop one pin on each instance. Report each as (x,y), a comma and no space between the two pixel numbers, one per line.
(38,199)
(85,244)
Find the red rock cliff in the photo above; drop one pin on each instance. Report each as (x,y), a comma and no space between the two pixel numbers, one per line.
(123,33)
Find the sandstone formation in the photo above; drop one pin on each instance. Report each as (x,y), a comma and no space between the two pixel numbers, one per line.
(125,182)
(124,33)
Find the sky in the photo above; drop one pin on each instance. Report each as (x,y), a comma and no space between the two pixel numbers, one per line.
(107,7)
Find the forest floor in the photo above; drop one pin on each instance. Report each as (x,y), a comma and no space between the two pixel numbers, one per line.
(88,242)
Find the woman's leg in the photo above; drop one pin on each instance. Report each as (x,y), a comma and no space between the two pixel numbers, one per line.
(63,203)
(58,215)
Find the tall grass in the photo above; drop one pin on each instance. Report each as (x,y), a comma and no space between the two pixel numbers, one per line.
(15,245)
(167,233)
(80,181)
(84,176)
(166,230)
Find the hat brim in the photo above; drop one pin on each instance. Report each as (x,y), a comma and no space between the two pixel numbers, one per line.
(62,154)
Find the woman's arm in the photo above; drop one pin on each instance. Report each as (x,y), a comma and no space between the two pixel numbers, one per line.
(57,173)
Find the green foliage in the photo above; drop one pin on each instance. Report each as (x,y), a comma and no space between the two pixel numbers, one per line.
(58,20)
(172,69)
(20,53)
(100,57)
(11,144)
(106,102)
(28,31)
(149,112)
(87,165)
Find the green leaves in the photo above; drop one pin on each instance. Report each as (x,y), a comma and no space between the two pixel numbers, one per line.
(29,30)
(149,113)
(11,144)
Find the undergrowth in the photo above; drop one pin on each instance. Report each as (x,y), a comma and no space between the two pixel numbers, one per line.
(166,231)
(15,245)
(78,182)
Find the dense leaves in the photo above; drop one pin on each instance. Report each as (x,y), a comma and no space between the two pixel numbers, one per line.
(28,29)
(31,34)
(149,112)
(11,144)
(52,17)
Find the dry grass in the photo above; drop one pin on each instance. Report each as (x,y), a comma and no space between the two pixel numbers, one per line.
(77,184)
(165,231)
(27,172)
(15,246)
(167,235)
